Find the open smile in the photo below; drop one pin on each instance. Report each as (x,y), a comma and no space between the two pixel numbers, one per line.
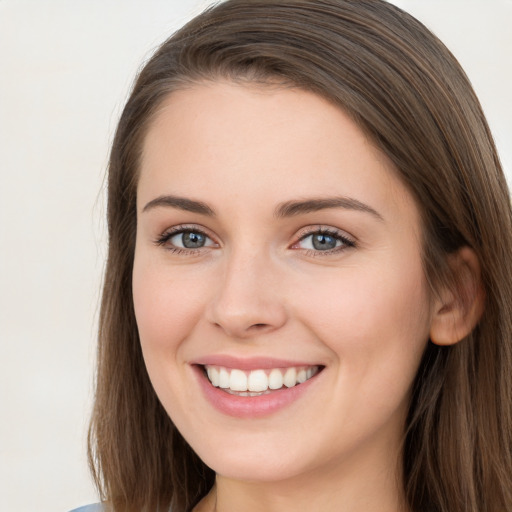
(254,393)
(260,381)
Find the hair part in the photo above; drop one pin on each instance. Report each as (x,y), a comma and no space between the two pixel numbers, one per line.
(407,92)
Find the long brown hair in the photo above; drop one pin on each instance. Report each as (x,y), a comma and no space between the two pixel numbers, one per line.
(410,96)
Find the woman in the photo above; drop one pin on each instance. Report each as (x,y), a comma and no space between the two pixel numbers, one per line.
(307,295)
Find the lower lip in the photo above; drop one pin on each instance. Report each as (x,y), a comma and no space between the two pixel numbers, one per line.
(251,406)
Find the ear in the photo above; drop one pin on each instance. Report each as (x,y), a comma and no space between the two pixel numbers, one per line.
(457,310)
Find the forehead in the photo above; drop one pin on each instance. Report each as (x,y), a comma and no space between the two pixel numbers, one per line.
(218,141)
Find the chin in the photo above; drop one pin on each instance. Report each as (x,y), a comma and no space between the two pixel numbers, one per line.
(255,470)
(247,459)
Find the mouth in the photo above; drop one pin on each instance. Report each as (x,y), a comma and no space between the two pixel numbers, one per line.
(253,383)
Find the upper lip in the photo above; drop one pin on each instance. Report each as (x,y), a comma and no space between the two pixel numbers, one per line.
(252,363)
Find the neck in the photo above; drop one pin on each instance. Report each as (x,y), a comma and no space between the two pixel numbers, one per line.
(351,487)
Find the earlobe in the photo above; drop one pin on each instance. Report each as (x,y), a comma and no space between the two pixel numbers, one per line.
(458,309)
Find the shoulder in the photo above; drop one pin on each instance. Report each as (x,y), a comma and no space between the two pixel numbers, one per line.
(95,507)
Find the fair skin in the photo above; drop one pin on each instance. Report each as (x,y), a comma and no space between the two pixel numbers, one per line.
(221,281)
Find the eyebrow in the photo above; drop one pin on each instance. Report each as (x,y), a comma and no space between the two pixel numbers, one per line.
(181,203)
(293,208)
(283,210)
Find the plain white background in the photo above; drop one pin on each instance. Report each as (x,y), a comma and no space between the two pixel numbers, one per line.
(65,71)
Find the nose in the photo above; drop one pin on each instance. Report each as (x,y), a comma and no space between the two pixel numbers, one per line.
(249,298)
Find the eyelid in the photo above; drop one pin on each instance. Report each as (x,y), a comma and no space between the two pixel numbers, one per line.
(347,240)
(324,228)
(166,235)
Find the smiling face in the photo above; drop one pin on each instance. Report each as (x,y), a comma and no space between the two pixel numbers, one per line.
(278,252)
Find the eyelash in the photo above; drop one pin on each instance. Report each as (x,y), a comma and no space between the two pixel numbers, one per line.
(177,230)
(346,242)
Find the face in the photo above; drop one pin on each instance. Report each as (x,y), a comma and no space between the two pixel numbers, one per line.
(278,283)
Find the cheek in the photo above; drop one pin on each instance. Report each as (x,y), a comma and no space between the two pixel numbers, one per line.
(167,305)
(167,308)
(375,323)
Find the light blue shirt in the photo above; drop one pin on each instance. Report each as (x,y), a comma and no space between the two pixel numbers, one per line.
(95,507)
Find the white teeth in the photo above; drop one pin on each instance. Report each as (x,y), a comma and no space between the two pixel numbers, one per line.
(213,375)
(290,378)
(223,378)
(275,379)
(301,376)
(238,380)
(258,382)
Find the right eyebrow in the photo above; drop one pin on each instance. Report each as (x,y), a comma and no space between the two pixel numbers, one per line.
(300,207)
(181,203)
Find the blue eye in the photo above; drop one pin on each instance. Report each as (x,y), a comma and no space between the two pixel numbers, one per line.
(185,239)
(189,240)
(324,241)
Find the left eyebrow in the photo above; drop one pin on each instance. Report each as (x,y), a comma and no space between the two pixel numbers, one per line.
(292,208)
(180,203)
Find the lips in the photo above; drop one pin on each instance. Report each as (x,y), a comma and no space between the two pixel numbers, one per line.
(253,388)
